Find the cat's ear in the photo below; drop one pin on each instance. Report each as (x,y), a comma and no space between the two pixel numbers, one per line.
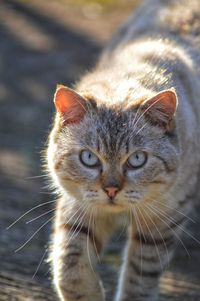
(69,104)
(161,108)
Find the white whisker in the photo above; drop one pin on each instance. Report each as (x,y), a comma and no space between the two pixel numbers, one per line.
(94,239)
(145,111)
(140,232)
(123,228)
(81,217)
(168,226)
(140,129)
(36,177)
(43,214)
(20,248)
(27,212)
(149,230)
(178,211)
(161,236)
(175,223)
(39,265)
(88,247)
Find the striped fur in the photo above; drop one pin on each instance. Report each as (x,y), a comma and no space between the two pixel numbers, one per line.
(156,50)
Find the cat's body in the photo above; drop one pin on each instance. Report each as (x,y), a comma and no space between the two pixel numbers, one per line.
(118,151)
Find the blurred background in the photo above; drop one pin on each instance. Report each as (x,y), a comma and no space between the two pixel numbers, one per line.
(43,43)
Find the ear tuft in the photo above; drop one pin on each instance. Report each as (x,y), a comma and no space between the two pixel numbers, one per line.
(161,108)
(69,104)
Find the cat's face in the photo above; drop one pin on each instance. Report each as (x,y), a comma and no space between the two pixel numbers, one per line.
(111,157)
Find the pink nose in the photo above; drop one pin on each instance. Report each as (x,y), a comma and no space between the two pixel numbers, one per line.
(111,191)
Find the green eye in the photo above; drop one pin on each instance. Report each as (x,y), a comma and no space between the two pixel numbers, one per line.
(89,159)
(137,159)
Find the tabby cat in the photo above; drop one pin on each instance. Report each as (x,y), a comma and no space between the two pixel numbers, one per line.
(126,145)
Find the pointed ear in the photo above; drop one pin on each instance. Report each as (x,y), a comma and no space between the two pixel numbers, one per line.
(161,108)
(69,104)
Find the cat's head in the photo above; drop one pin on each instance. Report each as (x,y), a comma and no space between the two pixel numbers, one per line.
(111,155)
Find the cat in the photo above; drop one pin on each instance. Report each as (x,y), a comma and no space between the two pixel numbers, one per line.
(125,144)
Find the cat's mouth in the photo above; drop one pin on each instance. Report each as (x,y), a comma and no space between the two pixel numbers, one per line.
(114,205)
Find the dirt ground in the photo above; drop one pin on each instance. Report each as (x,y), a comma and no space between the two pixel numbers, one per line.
(43,43)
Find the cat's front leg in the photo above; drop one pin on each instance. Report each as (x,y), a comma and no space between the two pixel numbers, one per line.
(74,255)
(149,250)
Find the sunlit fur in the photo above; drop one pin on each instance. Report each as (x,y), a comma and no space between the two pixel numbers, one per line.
(145,57)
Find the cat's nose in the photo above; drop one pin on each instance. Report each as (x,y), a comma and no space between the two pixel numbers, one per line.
(111,191)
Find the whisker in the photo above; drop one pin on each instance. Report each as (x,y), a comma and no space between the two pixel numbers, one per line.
(27,212)
(136,114)
(75,233)
(140,231)
(168,226)
(123,229)
(145,111)
(141,129)
(94,239)
(45,192)
(140,226)
(173,208)
(88,249)
(174,222)
(133,135)
(40,263)
(165,214)
(20,248)
(149,230)
(43,214)
(166,249)
(36,177)
(72,233)
(74,215)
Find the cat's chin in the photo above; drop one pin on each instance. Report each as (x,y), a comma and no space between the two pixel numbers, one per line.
(114,207)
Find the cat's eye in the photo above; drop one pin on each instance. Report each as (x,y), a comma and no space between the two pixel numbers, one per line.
(89,159)
(137,159)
